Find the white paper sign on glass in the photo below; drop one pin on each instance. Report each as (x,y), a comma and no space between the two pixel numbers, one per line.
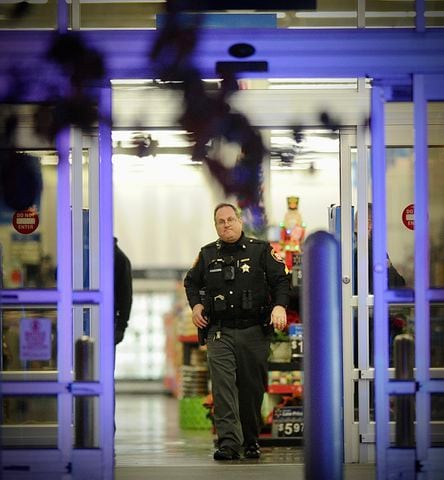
(35,339)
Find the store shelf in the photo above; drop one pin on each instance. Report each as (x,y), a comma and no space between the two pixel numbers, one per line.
(285,366)
(295,390)
(188,339)
(266,440)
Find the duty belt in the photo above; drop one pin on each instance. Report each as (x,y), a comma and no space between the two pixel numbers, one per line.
(240,322)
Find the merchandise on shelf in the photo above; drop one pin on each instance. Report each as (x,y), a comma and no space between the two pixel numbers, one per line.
(292,234)
(279,377)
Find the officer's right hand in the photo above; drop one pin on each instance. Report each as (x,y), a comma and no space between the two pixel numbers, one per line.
(198,317)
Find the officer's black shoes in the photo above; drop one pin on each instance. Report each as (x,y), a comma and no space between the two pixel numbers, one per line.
(252,451)
(225,453)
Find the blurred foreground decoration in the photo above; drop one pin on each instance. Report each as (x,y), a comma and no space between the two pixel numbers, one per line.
(76,105)
(67,98)
(209,118)
(20,179)
(65,101)
(20,174)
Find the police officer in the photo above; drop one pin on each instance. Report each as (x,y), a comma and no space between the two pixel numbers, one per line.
(238,289)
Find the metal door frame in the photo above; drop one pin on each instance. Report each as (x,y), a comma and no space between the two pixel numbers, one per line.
(96,463)
(376,53)
(421,461)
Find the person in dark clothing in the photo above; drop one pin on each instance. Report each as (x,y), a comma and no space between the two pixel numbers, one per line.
(123,292)
(238,290)
(123,298)
(394,280)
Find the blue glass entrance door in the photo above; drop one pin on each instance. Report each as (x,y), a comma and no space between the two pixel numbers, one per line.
(57,330)
(408,223)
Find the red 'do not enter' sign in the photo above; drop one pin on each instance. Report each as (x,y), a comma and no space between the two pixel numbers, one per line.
(408,216)
(25,221)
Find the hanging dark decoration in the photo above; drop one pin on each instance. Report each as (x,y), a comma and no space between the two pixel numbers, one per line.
(76,107)
(68,103)
(20,10)
(209,117)
(80,62)
(328,121)
(21,179)
(76,110)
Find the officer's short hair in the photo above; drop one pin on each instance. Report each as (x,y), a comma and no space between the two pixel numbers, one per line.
(221,205)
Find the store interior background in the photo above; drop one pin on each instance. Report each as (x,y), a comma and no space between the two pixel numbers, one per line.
(173,202)
(163,201)
(163,207)
(163,204)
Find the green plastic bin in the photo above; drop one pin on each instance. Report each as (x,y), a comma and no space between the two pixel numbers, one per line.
(192,414)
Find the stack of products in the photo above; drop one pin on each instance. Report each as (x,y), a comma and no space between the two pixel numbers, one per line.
(193,414)
(194,381)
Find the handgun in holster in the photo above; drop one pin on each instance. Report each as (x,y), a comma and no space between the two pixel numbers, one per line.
(267,327)
(202,333)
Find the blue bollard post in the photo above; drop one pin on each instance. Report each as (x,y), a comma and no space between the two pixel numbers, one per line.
(323,384)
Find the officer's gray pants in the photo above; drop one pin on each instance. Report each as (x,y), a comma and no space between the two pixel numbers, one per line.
(239,375)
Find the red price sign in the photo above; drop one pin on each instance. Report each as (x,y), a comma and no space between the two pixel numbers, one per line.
(408,216)
(25,221)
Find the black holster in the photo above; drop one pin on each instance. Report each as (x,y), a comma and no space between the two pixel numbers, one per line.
(267,327)
(202,333)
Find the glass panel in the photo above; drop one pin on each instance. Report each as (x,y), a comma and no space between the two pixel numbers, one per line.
(356,401)
(380,13)
(400,235)
(402,412)
(141,355)
(354,190)
(305,167)
(33,14)
(28,236)
(86,343)
(142,14)
(437,336)
(28,246)
(434,14)
(399,184)
(85,422)
(327,14)
(120,14)
(29,421)
(29,341)
(371,399)
(400,194)
(437,405)
(436,192)
(401,321)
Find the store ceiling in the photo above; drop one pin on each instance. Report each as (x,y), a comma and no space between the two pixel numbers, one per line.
(116,14)
(308,150)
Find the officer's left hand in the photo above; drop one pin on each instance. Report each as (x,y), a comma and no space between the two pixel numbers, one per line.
(279,317)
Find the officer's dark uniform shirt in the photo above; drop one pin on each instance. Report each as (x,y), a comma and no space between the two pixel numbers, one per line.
(238,283)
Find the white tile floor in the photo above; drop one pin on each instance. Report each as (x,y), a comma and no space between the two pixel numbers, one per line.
(150,445)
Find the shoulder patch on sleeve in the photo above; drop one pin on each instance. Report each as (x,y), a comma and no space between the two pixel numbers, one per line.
(276,256)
